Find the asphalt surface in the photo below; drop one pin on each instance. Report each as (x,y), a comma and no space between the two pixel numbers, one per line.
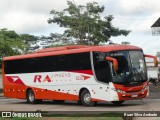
(154,91)
(134,105)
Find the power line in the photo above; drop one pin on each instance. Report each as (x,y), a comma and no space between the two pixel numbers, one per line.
(135,18)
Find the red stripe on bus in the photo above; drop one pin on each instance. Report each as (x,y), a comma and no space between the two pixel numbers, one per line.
(82,71)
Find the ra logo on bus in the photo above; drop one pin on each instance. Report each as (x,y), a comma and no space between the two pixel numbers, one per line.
(38,78)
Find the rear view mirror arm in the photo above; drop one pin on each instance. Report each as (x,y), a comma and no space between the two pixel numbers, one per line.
(114,61)
(154,58)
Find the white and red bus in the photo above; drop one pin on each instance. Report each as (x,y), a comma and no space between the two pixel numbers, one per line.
(87,74)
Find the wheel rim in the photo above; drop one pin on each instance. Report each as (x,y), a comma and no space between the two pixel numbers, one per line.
(31,97)
(87,98)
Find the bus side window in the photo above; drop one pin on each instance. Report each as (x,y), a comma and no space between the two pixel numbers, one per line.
(19,66)
(9,69)
(47,64)
(32,65)
(62,63)
(80,61)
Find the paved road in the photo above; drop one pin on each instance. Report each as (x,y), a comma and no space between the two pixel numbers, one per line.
(136,105)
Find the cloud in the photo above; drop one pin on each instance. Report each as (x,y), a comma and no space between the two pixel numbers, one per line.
(23,22)
(32,6)
(138,26)
(143,26)
(149,44)
(38,6)
(138,7)
(30,16)
(82,2)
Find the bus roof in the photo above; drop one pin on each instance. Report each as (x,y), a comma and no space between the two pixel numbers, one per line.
(73,49)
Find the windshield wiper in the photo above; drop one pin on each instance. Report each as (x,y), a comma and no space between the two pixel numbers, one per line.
(136,71)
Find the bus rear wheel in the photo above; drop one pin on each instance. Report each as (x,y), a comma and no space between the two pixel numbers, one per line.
(117,102)
(86,98)
(31,98)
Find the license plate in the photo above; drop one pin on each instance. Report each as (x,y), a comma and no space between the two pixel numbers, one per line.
(134,96)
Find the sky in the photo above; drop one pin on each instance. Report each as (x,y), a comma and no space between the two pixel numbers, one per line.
(30,16)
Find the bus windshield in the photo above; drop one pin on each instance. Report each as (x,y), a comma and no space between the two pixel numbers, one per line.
(131,67)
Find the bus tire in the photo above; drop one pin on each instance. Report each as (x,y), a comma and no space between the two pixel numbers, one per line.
(117,102)
(31,97)
(86,98)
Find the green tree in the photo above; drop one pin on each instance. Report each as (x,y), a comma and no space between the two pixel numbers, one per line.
(10,43)
(28,40)
(85,24)
(61,39)
(125,43)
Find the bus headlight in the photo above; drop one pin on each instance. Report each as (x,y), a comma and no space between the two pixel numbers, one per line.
(145,87)
(118,90)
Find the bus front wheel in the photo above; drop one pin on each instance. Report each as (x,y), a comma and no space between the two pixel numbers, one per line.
(31,97)
(86,98)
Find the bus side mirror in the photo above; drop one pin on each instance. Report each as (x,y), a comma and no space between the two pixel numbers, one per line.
(154,58)
(114,61)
